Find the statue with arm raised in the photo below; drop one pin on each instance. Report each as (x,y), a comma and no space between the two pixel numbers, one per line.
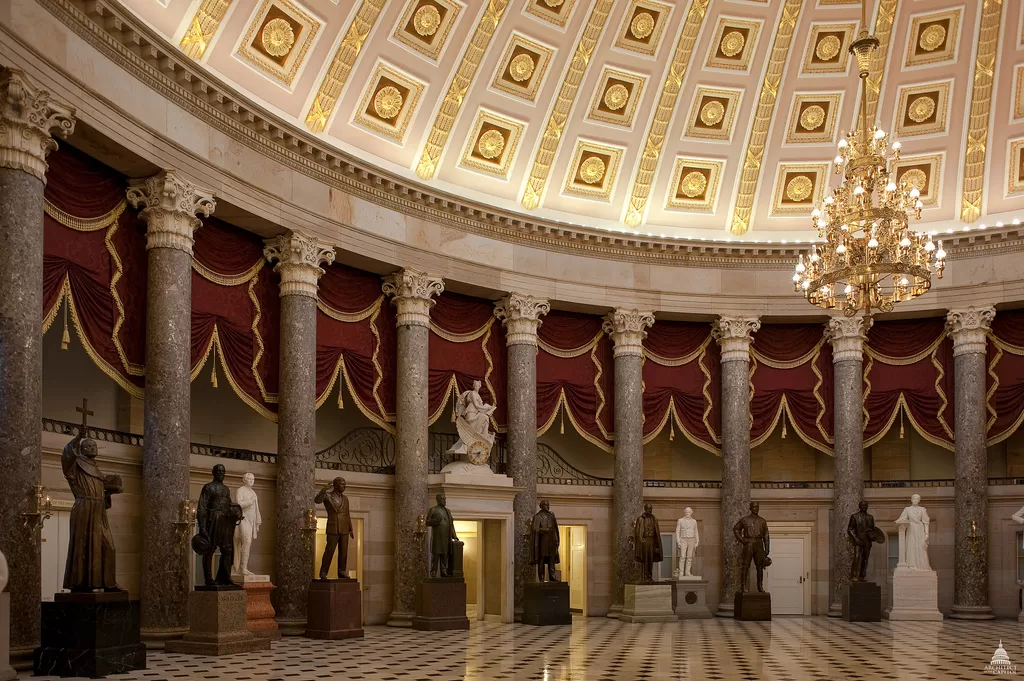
(339,526)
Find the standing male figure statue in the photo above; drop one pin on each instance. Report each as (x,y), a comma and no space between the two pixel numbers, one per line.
(688,539)
(91,559)
(752,531)
(544,542)
(216,517)
(249,528)
(339,526)
(862,533)
(442,538)
(647,543)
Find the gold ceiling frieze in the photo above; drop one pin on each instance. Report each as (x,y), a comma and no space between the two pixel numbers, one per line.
(540,171)
(883,31)
(456,95)
(203,27)
(981,101)
(655,139)
(753,155)
(341,66)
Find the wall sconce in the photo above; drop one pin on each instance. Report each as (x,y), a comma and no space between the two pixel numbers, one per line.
(973,539)
(40,509)
(185,522)
(309,523)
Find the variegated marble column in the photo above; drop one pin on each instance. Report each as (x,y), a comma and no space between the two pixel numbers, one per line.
(170,204)
(847,336)
(413,295)
(627,328)
(30,119)
(734,335)
(969,329)
(521,316)
(298,259)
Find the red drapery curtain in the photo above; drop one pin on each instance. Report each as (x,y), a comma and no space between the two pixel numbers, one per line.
(908,371)
(575,373)
(791,378)
(1005,394)
(467,343)
(356,340)
(94,259)
(236,314)
(681,383)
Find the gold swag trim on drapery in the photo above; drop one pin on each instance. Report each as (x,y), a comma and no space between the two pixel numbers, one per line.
(561,405)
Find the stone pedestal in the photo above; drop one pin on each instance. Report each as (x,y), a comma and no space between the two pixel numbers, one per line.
(862,602)
(6,670)
(335,609)
(217,625)
(259,611)
(915,595)
(689,598)
(648,602)
(752,606)
(441,605)
(89,634)
(546,603)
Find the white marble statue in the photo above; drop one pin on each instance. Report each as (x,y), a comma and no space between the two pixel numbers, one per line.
(1018,517)
(688,539)
(472,420)
(913,528)
(4,574)
(249,527)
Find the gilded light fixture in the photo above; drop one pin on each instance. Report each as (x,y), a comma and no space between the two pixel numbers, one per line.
(870,259)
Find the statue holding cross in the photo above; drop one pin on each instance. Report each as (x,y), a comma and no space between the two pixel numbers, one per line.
(91,563)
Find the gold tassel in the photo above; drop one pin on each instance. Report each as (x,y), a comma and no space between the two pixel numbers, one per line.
(784,427)
(671,428)
(213,363)
(65,340)
(455,402)
(561,426)
(901,423)
(341,390)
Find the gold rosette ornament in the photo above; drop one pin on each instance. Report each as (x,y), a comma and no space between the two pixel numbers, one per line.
(592,170)
(694,184)
(921,109)
(491,144)
(521,68)
(616,97)
(732,43)
(388,102)
(712,113)
(827,48)
(812,117)
(799,188)
(932,38)
(642,26)
(914,177)
(426,20)
(277,37)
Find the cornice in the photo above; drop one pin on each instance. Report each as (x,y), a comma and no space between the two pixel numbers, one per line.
(127,42)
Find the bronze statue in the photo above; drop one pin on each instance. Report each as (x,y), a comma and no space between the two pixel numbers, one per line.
(646,543)
(752,532)
(544,541)
(862,532)
(91,557)
(339,526)
(216,517)
(442,538)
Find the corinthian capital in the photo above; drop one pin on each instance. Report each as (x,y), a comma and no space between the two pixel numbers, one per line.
(29,120)
(969,328)
(734,334)
(521,317)
(413,294)
(848,335)
(298,262)
(170,204)
(628,328)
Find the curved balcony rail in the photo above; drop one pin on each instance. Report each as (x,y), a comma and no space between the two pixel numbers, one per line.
(365,450)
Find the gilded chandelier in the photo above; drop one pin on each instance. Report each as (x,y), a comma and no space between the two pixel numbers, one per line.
(870,258)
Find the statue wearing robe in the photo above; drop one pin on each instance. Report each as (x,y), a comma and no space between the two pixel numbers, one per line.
(473,420)
(442,536)
(544,542)
(91,559)
(647,543)
(216,516)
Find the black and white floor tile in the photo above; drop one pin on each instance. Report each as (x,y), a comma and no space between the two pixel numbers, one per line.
(600,649)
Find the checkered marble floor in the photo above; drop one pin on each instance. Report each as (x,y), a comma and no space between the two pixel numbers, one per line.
(599,649)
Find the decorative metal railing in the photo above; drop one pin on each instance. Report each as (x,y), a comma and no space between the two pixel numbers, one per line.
(366,450)
(552,469)
(100,434)
(438,456)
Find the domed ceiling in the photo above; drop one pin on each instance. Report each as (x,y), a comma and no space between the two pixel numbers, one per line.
(713,119)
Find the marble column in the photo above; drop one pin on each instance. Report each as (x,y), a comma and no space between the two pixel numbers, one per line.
(413,295)
(734,335)
(627,328)
(847,336)
(969,329)
(29,120)
(298,260)
(170,204)
(521,315)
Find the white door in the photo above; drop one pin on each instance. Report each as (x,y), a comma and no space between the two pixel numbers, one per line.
(784,580)
(578,568)
(54,534)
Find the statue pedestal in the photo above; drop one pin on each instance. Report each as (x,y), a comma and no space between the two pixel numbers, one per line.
(6,670)
(217,624)
(546,604)
(259,611)
(862,602)
(89,634)
(689,598)
(752,606)
(648,602)
(915,595)
(334,609)
(441,604)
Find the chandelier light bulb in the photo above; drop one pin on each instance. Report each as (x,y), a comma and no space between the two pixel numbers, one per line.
(796,278)
(815,213)
(896,146)
(891,187)
(829,200)
(919,204)
(872,242)
(848,290)
(843,144)
(841,248)
(904,282)
(905,241)
(814,256)
(858,190)
(940,254)
(930,246)
(839,160)
(915,192)
(879,134)
(806,285)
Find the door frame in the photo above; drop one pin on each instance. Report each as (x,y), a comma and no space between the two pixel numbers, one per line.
(803,530)
(565,556)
